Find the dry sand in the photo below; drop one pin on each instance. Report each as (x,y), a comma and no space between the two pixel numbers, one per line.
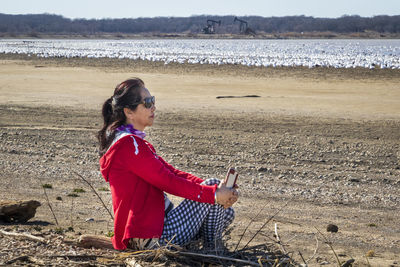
(326,140)
(354,94)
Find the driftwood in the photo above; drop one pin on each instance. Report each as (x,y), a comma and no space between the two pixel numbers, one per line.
(236,96)
(18,211)
(95,241)
(23,236)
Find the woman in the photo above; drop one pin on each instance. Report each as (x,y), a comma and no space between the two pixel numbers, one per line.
(138,177)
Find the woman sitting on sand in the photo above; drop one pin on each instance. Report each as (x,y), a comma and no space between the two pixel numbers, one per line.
(138,178)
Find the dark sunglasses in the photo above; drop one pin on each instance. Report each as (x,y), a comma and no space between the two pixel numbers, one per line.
(148,102)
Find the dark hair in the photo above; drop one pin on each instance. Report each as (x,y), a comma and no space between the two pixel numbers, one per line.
(125,94)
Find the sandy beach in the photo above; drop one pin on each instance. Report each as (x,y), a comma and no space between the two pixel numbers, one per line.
(323,141)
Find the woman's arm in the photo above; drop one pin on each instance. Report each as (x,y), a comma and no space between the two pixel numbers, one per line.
(141,161)
(180,173)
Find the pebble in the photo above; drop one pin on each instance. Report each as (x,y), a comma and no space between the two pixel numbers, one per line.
(332,228)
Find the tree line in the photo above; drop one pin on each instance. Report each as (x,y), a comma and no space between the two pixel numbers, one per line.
(55,24)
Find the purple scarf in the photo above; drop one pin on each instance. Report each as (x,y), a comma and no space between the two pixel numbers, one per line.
(129,129)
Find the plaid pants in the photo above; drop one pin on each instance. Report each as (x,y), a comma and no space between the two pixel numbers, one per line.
(192,220)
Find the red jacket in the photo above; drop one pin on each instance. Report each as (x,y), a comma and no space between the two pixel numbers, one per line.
(138,177)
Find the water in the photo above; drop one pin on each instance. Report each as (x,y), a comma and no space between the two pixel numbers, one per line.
(267,53)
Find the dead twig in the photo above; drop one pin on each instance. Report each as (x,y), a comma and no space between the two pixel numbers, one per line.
(101,200)
(279,240)
(290,239)
(71,213)
(24,236)
(221,258)
(48,203)
(315,251)
(251,221)
(301,255)
(190,256)
(330,245)
(88,256)
(19,258)
(269,219)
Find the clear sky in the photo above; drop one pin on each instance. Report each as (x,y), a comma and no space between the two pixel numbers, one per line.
(183,8)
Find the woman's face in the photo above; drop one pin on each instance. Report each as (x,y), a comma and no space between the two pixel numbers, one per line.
(141,117)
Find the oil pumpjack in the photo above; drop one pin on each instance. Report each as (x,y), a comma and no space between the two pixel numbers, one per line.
(210,28)
(243,28)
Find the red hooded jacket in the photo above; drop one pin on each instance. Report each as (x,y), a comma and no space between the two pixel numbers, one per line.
(138,177)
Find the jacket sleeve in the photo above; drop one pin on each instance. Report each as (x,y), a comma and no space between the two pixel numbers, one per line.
(180,173)
(141,161)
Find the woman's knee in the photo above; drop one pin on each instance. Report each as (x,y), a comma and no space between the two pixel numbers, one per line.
(229,214)
(211,181)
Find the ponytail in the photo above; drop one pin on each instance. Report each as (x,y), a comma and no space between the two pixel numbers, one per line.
(107,111)
(102,136)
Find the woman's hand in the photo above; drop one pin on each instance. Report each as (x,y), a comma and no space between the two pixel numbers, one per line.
(226,196)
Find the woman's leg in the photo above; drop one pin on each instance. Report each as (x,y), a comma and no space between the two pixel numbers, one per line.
(215,223)
(191,219)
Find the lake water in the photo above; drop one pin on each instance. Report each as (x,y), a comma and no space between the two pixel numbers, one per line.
(268,53)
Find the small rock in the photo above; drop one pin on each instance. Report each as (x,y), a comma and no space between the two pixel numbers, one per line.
(332,228)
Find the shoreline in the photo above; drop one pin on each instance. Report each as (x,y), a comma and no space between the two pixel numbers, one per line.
(114,64)
(261,36)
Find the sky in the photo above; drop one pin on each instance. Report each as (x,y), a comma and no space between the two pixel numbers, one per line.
(99,9)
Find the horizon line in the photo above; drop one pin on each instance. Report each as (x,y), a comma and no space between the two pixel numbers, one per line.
(202,15)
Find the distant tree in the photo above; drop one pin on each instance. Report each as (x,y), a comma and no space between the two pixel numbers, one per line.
(55,24)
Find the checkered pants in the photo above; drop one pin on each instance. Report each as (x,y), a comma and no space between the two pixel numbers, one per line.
(192,220)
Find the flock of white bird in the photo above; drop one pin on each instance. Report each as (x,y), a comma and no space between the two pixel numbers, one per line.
(268,53)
